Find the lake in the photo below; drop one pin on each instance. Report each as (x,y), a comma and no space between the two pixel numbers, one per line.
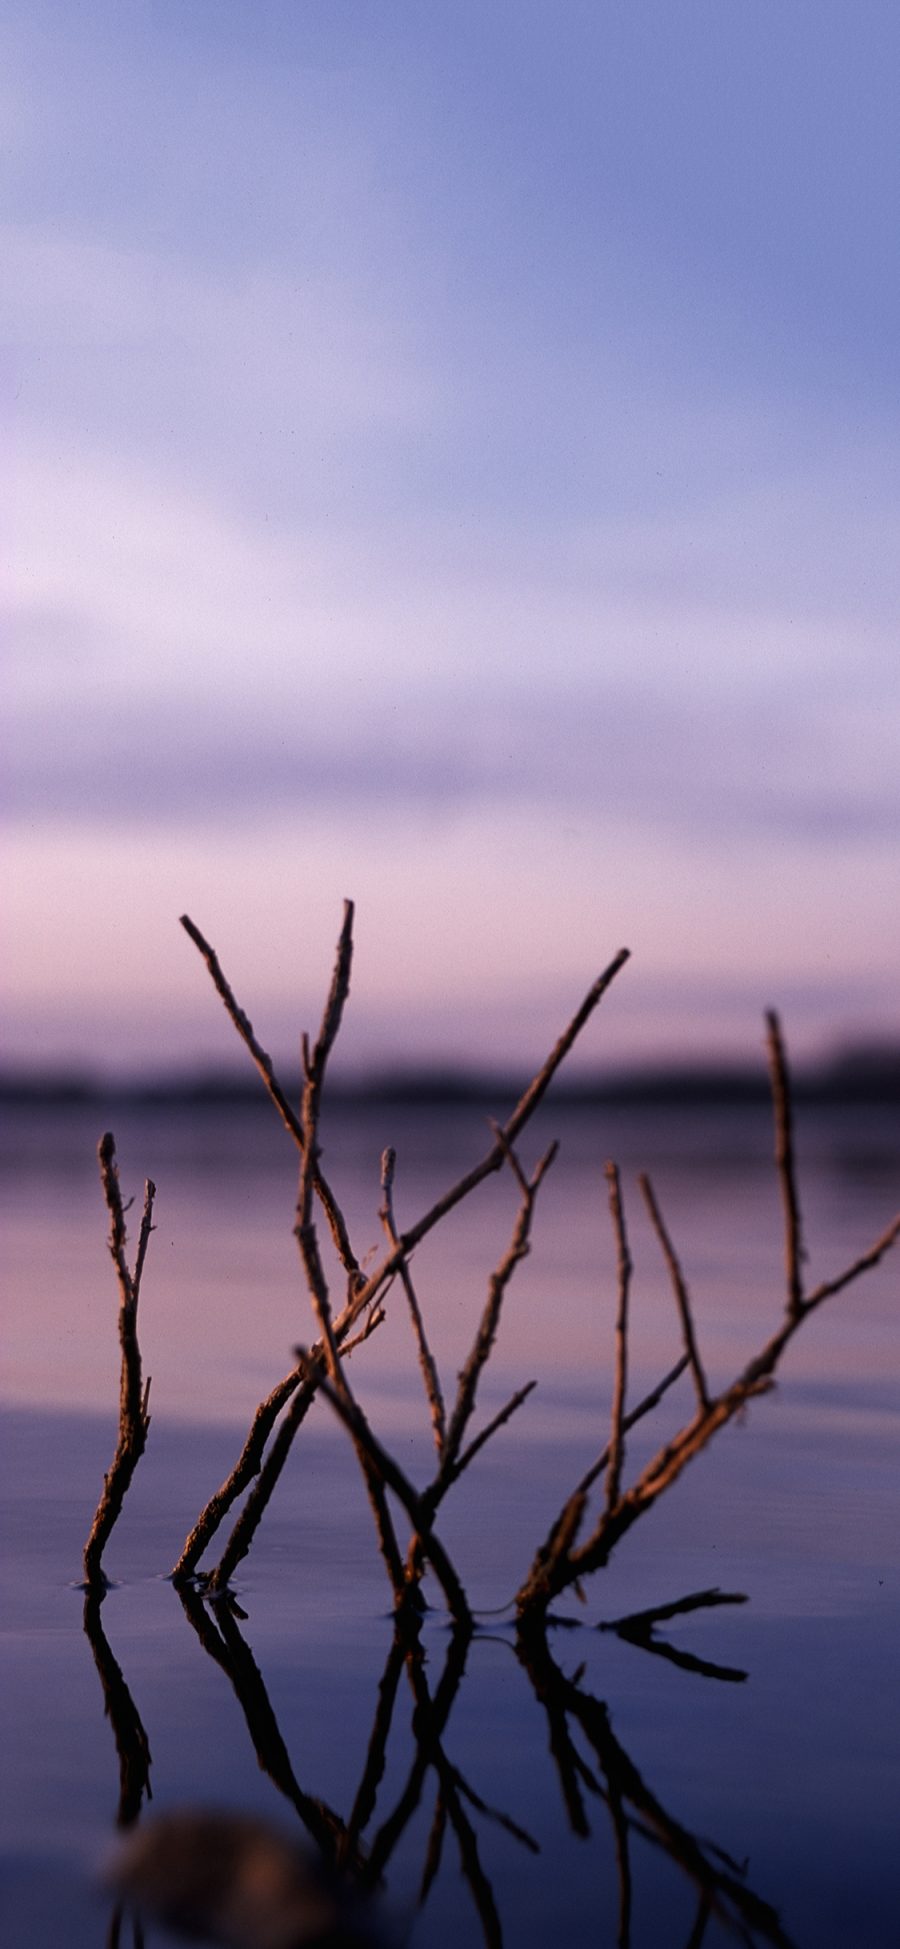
(744,1764)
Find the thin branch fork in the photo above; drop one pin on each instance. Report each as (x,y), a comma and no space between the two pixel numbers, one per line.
(251,1461)
(624,1271)
(314,1065)
(389,1471)
(499,1420)
(784,1158)
(362,1294)
(244,1028)
(482,1346)
(548,1577)
(428,1367)
(134,1393)
(260,1466)
(314,1076)
(254,1462)
(679,1285)
(495,1157)
(286,1111)
(452,1458)
(564,1530)
(559,1563)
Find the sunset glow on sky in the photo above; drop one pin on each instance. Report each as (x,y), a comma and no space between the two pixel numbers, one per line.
(453,463)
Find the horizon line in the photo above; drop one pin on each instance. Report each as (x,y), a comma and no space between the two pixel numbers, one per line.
(868,1071)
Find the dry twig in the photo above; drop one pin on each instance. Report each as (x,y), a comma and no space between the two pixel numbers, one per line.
(679,1286)
(389,1473)
(134,1394)
(287,1113)
(561,1562)
(784,1158)
(624,1269)
(453,1458)
(498,1153)
(363,1294)
(426,1358)
(314,1064)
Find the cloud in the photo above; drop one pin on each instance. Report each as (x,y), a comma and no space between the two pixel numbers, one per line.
(716,766)
(173,660)
(467,444)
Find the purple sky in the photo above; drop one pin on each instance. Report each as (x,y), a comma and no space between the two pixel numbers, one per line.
(453,463)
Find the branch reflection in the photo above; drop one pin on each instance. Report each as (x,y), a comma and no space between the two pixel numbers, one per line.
(132,1745)
(354,1852)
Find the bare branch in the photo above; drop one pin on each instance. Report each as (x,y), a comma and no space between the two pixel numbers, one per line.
(623,1256)
(427,1363)
(314,1063)
(528,1103)
(362,1292)
(559,1564)
(244,1028)
(518,1249)
(134,1420)
(391,1474)
(252,1463)
(644,1407)
(565,1528)
(376,1318)
(679,1287)
(562,1561)
(784,1158)
(697,1600)
(314,1066)
(248,1465)
(337,995)
(864,1263)
(498,1153)
(267,1470)
(468,1455)
(287,1113)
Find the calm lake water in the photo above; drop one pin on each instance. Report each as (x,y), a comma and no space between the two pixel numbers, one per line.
(768,1753)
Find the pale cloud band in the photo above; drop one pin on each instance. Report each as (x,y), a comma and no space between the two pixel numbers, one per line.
(456,464)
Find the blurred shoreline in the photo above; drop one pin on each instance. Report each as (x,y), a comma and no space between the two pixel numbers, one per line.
(868,1074)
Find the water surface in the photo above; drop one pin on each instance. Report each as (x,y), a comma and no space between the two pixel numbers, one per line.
(784,1752)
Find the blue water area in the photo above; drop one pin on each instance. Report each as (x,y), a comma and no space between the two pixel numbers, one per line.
(740,1769)
(591,1790)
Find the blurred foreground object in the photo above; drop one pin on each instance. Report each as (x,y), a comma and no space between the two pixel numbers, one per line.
(239,1882)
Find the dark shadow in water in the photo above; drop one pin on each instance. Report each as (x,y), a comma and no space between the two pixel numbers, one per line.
(218,1632)
(590,1764)
(115,1938)
(132,1744)
(454,1796)
(633,1808)
(639,1629)
(132,1747)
